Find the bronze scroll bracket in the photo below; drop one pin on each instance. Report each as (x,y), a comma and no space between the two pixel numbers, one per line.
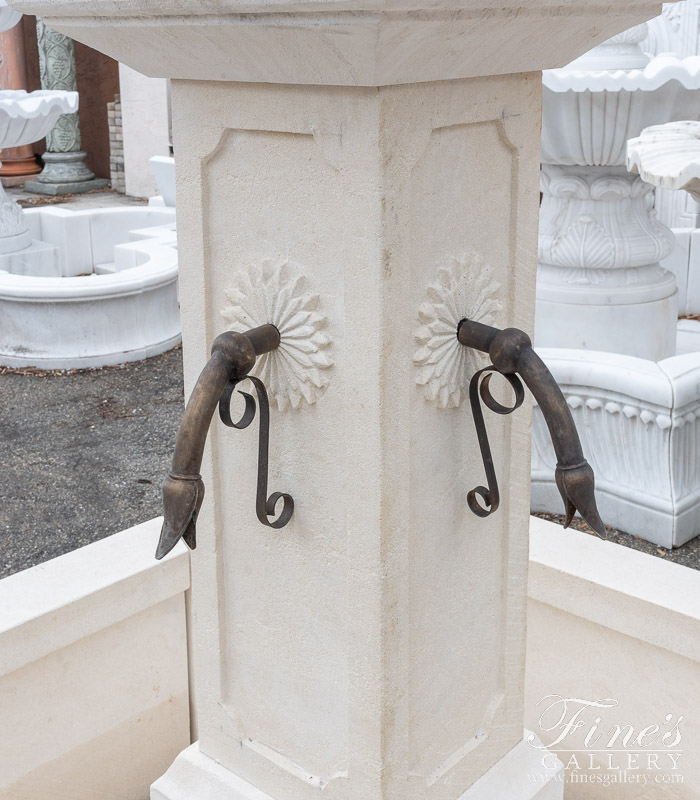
(513,356)
(233,356)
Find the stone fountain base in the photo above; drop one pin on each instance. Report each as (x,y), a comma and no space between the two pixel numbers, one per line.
(527,772)
(55,189)
(638,422)
(65,173)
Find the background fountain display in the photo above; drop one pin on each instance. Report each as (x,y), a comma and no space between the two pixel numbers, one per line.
(79,289)
(606,309)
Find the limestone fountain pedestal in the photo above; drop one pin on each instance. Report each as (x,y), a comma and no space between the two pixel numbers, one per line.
(362,177)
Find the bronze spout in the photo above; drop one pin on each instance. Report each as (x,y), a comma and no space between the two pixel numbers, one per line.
(512,354)
(233,356)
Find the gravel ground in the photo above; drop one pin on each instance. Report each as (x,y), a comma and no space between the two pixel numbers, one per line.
(102,198)
(83,454)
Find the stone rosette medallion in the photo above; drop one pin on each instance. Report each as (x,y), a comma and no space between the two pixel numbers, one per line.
(275,292)
(463,290)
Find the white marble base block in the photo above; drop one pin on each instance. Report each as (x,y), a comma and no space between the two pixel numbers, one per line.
(40,259)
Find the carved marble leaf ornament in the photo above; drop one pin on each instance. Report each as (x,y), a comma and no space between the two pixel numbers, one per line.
(275,292)
(463,290)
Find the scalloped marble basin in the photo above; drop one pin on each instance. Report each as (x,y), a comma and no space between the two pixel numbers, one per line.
(8,16)
(588,115)
(26,117)
(668,156)
(591,107)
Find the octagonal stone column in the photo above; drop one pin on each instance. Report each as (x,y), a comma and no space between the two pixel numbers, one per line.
(363,177)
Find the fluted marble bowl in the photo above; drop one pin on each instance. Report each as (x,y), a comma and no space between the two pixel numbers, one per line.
(588,115)
(668,156)
(26,117)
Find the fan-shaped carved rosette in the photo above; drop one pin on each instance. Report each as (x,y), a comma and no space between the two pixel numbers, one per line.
(584,243)
(463,290)
(276,293)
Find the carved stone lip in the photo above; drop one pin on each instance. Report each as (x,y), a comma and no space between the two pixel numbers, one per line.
(28,105)
(345,43)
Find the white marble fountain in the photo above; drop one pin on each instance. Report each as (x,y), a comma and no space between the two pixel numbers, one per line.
(607,312)
(79,289)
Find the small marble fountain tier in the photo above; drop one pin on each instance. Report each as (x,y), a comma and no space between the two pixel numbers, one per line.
(668,156)
(601,289)
(80,289)
(107,294)
(25,118)
(600,243)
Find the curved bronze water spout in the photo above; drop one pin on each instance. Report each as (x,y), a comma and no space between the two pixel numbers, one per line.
(233,356)
(511,352)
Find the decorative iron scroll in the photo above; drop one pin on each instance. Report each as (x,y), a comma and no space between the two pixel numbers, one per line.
(479,386)
(511,352)
(233,355)
(264,505)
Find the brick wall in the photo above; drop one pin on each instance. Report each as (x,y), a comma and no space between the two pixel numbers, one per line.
(116,145)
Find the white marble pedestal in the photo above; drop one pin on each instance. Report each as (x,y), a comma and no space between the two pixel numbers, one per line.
(363,178)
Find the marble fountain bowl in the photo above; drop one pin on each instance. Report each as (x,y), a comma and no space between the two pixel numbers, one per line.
(588,115)
(97,287)
(26,117)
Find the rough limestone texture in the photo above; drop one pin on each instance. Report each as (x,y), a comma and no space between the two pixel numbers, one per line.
(374,646)
(373,649)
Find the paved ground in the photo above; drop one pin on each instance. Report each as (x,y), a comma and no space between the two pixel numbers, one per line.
(83,454)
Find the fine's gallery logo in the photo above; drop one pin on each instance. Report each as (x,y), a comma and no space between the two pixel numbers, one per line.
(596,744)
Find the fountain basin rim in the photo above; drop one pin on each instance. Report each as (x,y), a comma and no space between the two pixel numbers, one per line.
(144,277)
(670,381)
(659,71)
